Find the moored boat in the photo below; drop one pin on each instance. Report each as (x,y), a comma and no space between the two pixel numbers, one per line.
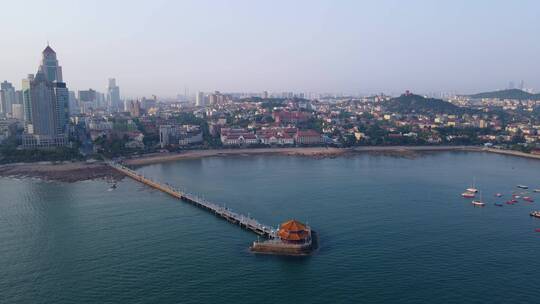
(468,194)
(472,189)
(478,203)
(536,190)
(528,199)
(535,214)
(498,204)
(522,187)
(498,195)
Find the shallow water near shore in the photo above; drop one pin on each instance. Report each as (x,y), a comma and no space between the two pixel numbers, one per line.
(391,230)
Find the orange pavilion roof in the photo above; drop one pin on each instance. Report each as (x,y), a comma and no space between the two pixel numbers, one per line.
(293,231)
(293,225)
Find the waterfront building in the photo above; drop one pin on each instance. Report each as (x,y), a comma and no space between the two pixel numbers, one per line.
(46,101)
(237,137)
(307,137)
(294,232)
(182,135)
(277,136)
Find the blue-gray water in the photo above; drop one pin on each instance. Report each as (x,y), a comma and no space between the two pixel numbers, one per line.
(392,230)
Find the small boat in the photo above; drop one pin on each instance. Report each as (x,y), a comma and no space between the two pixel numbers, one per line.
(498,195)
(514,201)
(522,187)
(528,199)
(473,188)
(498,204)
(536,190)
(510,203)
(112,187)
(537,229)
(478,203)
(516,196)
(535,214)
(468,194)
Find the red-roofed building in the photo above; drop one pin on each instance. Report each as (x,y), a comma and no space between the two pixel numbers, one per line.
(285,117)
(307,137)
(237,137)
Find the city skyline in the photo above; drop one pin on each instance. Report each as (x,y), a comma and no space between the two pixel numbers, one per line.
(346,47)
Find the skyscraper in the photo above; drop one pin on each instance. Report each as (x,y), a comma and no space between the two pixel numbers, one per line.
(49,65)
(7,98)
(113,96)
(199,100)
(46,102)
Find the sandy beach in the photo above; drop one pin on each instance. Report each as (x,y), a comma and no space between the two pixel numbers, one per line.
(78,171)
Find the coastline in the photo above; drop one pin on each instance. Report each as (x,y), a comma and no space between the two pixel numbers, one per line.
(316,152)
(62,172)
(80,171)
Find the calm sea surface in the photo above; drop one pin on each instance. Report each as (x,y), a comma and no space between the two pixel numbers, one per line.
(392,230)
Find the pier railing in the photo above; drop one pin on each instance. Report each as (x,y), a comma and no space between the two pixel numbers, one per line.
(241,220)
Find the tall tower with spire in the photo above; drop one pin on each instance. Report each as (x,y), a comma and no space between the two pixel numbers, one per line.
(46,100)
(49,65)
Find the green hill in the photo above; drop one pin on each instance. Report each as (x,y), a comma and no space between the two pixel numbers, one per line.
(411,103)
(507,94)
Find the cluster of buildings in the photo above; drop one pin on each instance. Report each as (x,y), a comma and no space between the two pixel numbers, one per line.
(46,114)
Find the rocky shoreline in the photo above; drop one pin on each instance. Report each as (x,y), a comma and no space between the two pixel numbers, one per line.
(63,172)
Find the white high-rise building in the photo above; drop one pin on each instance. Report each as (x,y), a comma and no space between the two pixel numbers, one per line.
(199,100)
(113,96)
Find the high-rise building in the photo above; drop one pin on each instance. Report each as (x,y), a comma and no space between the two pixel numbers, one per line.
(7,97)
(74,107)
(46,102)
(134,108)
(27,105)
(49,65)
(88,100)
(113,96)
(199,99)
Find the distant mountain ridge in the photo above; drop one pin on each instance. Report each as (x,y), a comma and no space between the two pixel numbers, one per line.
(410,103)
(507,94)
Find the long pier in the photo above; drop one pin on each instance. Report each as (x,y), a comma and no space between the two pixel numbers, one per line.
(241,220)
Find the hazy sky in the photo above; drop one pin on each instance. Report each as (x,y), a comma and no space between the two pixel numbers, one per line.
(160,47)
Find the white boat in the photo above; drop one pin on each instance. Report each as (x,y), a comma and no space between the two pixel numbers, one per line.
(536,190)
(478,203)
(473,188)
(468,194)
(522,187)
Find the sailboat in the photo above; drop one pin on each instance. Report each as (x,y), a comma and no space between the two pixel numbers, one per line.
(473,188)
(478,203)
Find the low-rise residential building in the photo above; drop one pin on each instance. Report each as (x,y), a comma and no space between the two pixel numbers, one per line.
(307,137)
(183,135)
(237,137)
